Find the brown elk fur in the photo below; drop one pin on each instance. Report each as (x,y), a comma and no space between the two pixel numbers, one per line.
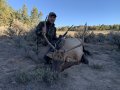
(71,57)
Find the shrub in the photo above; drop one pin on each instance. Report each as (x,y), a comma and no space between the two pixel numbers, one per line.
(114,38)
(100,37)
(79,34)
(97,67)
(46,75)
(41,74)
(90,37)
(17,29)
(22,78)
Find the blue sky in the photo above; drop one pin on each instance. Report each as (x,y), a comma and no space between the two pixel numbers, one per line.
(75,12)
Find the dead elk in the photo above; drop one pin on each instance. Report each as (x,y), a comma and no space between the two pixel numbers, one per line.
(71,53)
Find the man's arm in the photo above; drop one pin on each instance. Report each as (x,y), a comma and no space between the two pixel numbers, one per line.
(39,28)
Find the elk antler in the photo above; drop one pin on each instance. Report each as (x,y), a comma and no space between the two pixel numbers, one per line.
(74,47)
(84,32)
(44,35)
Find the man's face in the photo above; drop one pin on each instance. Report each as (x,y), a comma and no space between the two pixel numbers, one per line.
(51,19)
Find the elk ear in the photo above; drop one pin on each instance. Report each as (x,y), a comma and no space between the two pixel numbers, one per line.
(50,54)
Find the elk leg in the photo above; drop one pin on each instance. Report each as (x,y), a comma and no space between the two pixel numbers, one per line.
(68,63)
(86,51)
(62,66)
(84,60)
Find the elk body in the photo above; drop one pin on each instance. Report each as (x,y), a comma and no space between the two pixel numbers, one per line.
(71,53)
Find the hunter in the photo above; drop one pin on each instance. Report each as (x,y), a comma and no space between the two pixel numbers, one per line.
(50,31)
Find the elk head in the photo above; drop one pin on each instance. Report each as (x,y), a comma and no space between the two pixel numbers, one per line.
(57,55)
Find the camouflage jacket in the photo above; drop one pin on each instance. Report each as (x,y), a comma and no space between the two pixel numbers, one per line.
(50,32)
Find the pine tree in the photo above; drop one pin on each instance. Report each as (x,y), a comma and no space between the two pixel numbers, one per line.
(40,16)
(5,13)
(34,15)
(24,15)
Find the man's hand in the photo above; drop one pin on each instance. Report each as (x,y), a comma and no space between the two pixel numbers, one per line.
(44,29)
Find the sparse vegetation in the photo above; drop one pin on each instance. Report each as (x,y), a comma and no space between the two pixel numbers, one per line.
(45,75)
(42,74)
(114,38)
(94,27)
(22,78)
(97,67)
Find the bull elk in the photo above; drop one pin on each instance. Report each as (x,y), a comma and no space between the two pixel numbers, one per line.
(71,53)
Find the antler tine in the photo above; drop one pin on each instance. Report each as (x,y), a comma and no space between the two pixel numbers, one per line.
(44,35)
(85,29)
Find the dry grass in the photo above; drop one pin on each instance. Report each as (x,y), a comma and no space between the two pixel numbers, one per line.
(2,30)
(22,38)
(114,38)
(72,33)
(17,27)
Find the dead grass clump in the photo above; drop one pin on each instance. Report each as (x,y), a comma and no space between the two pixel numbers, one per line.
(17,29)
(91,37)
(114,38)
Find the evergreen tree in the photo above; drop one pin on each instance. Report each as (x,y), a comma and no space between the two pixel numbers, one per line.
(5,13)
(24,15)
(34,15)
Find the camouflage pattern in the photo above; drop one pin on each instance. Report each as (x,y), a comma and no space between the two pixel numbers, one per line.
(51,32)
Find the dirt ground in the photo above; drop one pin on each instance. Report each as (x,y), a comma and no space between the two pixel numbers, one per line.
(102,73)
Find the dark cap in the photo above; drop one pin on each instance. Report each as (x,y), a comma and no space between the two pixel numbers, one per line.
(52,14)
